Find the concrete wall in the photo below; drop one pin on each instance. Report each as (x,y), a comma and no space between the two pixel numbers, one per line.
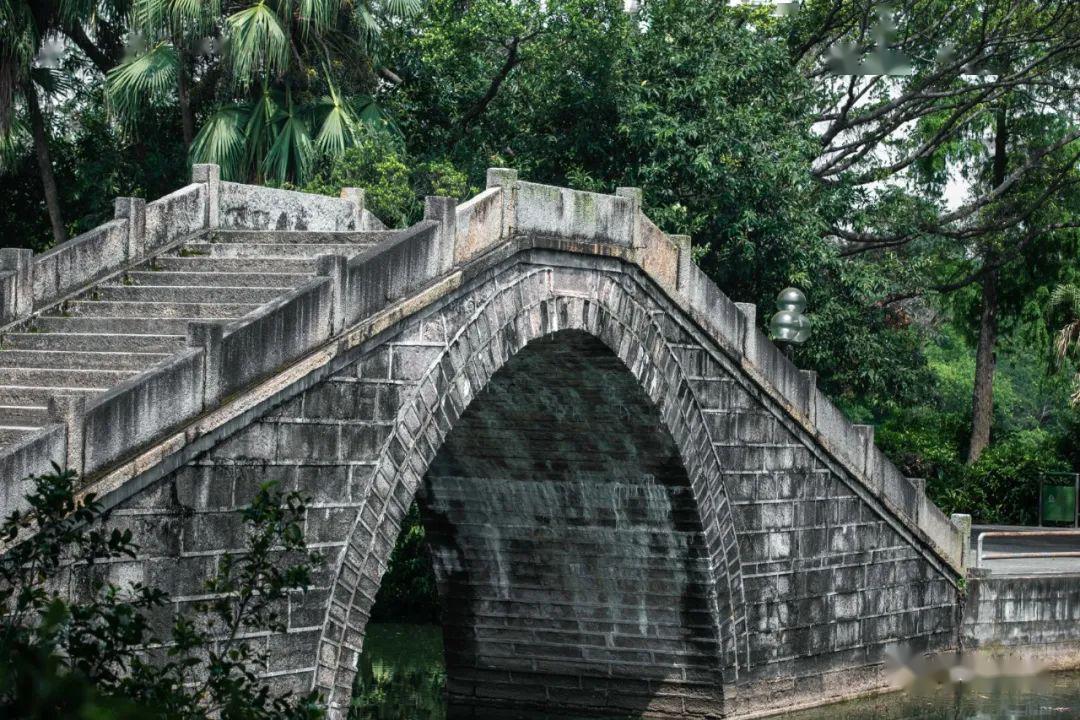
(1034,619)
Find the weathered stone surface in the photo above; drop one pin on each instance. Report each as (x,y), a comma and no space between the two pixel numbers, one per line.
(249,207)
(1025,620)
(782,563)
(175,216)
(142,408)
(82,259)
(561,212)
(478,224)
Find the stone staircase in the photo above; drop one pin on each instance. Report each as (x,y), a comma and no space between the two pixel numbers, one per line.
(130,321)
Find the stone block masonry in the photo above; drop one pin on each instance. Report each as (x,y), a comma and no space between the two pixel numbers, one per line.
(636,504)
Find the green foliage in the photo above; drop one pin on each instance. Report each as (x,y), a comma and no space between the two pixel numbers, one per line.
(925,439)
(103,654)
(394,184)
(408,592)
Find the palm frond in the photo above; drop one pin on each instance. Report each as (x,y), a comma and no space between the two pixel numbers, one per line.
(260,129)
(1066,296)
(317,15)
(222,139)
(257,42)
(52,81)
(368,23)
(370,114)
(143,79)
(289,158)
(402,8)
(15,145)
(338,126)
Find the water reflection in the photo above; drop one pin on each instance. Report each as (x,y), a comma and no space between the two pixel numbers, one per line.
(402,677)
(401,674)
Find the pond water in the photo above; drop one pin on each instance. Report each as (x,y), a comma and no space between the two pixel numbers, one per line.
(401,678)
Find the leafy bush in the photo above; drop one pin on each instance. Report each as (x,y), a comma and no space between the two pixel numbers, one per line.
(380,167)
(99,656)
(394,184)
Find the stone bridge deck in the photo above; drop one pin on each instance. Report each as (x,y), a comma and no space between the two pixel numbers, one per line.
(636,503)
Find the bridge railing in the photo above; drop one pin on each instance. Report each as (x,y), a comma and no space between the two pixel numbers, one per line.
(224,359)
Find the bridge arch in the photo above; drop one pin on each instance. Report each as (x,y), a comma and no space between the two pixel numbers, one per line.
(519,318)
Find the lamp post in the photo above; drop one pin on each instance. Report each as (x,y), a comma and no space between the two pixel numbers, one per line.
(788,326)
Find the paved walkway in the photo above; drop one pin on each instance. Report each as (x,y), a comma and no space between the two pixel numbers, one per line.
(1027,566)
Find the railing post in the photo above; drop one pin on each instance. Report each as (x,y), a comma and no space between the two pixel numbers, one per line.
(133,210)
(444,211)
(211,175)
(335,267)
(208,336)
(506,178)
(633,194)
(21,262)
(962,522)
(356,197)
(69,410)
(747,342)
(682,278)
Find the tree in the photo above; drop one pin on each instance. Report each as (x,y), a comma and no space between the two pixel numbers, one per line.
(1066,298)
(22,33)
(100,655)
(281,82)
(990,95)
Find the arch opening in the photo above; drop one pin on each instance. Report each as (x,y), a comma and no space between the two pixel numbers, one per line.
(572,570)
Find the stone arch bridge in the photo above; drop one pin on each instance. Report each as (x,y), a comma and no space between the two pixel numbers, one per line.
(635,503)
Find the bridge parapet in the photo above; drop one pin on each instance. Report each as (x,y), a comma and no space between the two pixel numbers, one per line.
(224,358)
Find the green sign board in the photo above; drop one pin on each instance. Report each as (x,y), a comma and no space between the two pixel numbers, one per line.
(1059,503)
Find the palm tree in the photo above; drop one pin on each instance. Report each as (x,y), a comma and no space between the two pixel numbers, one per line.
(268,67)
(1067,341)
(22,119)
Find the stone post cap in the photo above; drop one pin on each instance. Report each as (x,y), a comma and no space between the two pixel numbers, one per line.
(961,521)
(128,207)
(11,258)
(65,408)
(436,205)
(354,194)
(205,172)
(203,333)
(501,177)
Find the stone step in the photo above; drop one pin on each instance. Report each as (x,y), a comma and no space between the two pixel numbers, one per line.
(185,294)
(155,327)
(201,263)
(94,342)
(25,415)
(38,396)
(301,237)
(217,279)
(79,360)
(276,250)
(63,377)
(162,310)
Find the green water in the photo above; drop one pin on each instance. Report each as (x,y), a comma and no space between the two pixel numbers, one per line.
(402,675)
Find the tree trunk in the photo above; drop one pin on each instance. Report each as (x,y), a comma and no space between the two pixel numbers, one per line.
(183,92)
(982,400)
(44,162)
(982,403)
